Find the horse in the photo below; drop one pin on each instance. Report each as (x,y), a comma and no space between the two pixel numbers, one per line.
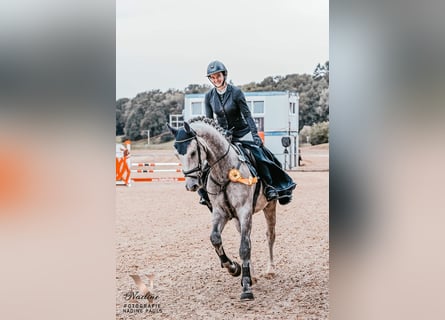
(201,144)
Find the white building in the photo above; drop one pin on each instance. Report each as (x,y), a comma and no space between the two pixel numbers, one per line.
(275,113)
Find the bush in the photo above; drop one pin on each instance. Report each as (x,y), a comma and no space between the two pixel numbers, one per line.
(304,134)
(319,133)
(167,137)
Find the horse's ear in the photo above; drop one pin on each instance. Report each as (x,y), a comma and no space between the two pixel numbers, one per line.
(174,131)
(187,127)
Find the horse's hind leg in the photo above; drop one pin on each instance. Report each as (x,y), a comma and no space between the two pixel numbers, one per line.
(270,215)
(219,221)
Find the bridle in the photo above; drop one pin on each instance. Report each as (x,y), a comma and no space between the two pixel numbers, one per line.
(188,173)
(200,167)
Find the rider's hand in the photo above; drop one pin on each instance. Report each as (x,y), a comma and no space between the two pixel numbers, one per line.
(257,140)
(228,134)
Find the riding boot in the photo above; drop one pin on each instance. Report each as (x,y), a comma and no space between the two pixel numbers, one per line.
(204,199)
(269,191)
(204,196)
(285,196)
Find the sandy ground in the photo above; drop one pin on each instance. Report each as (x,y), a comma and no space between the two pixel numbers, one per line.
(161,230)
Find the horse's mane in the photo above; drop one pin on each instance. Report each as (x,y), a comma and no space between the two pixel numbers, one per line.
(209,121)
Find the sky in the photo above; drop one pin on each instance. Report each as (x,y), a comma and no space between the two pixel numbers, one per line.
(162,44)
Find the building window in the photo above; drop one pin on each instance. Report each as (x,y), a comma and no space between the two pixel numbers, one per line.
(259,121)
(258,107)
(292,108)
(176,120)
(197,108)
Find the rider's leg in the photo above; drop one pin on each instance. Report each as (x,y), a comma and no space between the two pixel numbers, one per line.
(204,196)
(269,191)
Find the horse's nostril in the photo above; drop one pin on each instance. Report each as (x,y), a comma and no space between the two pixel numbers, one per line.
(192,188)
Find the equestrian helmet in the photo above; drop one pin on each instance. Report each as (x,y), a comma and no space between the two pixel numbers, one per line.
(215,67)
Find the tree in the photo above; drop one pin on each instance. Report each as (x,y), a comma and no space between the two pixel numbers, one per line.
(120,116)
(133,124)
(196,88)
(321,71)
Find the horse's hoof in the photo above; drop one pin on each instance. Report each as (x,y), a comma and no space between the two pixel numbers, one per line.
(237,271)
(247,296)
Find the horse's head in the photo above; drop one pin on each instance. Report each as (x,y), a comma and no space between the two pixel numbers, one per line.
(191,153)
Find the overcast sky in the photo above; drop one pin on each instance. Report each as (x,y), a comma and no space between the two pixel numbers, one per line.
(162,44)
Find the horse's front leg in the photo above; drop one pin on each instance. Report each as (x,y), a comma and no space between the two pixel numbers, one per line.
(219,222)
(244,251)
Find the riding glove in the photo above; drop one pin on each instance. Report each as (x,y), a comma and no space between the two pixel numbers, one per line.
(257,140)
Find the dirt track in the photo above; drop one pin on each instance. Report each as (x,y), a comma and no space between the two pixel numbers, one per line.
(162,230)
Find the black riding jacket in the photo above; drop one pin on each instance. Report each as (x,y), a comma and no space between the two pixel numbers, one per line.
(231,112)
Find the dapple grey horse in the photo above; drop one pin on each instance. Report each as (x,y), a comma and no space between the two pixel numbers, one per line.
(200,143)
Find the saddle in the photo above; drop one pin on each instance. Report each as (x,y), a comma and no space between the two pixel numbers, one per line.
(284,185)
(246,156)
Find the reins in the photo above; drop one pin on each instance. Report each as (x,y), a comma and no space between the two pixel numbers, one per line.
(201,169)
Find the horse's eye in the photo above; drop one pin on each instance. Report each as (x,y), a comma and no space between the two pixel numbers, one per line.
(193,154)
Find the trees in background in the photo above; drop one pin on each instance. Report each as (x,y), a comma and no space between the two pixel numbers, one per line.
(313,90)
(150,110)
(120,116)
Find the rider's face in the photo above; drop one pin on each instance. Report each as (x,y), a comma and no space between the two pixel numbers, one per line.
(217,79)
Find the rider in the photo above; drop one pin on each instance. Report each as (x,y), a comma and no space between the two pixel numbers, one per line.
(233,114)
